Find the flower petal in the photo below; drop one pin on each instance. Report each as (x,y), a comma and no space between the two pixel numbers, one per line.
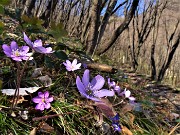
(40,106)
(111,84)
(37,100)
(49,50)
(14,45)
(27,40)
(117,89)
(47,105)
(50,99)
(85,78)
(40,94)
(46,94)
(37,43)
(132,98)
(40,49)
(25,49)
(77,66)
(68,63)
(7,50)
(65,64)
(103,93)
(74,62)
(80,86)
(127,93)
(69,69)
(97,83)
(16,58)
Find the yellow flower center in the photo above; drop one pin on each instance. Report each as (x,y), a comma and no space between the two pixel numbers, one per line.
(43,100)
(16,52)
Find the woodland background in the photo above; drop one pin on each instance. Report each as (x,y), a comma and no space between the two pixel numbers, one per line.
(142,33)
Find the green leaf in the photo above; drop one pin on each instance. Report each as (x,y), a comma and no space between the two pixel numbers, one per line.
(32,20)
(5,2)
(61,55)
(1,9)
(32,24)
(48,62)
(178,120)
(57,31)
(5,69)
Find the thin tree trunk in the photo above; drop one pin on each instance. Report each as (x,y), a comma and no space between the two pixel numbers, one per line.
(121,28)
(95,14)
(170,56)
(106,17)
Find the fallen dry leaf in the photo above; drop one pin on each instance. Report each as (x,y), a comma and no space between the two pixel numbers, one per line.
(19,101)
(106,108)
(33,131)
(131,119)
(127,108)
(22,91)
(126,131)
(44,127)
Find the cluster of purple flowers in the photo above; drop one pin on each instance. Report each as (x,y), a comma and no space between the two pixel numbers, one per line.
(21,53)
(90,89)
(126,93)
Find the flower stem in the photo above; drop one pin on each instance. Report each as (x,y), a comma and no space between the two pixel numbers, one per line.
(19,78)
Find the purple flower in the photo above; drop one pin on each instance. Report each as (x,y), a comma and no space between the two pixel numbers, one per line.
(72,66)
(113,85)
(127,94)
(17,53)
(37,45)
(84,65)
(115,123)
(43,101)
(92,90)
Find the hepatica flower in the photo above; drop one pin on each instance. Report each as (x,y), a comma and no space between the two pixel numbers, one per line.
(43,101)
(92,90)
(72,66)
(113,86)
(17,53)
(115,122)
(37,45)
(127,94)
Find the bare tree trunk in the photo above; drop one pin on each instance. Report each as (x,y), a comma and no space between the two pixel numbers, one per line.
(95,14)
(71,6)
(121,28)
(166,64)
(106,17)
(154,38)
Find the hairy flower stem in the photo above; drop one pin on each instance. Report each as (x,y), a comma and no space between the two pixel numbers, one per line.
(19,78)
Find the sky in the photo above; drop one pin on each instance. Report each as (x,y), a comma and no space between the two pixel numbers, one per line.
(121,10)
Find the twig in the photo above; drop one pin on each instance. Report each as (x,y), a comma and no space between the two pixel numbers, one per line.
(50,116)
(176,127)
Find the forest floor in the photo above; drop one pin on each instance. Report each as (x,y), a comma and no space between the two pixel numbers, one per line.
(165,99)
